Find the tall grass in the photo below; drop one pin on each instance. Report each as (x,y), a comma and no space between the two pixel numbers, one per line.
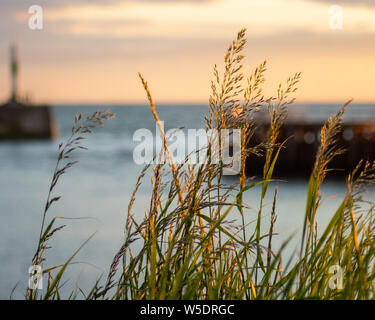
(186,247)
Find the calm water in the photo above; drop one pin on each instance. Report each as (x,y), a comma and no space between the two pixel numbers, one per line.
(97,190)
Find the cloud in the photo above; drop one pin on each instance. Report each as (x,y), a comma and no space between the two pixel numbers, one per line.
(360,3)
(59,3)
(211,19)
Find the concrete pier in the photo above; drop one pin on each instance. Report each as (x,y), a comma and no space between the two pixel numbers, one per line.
(303,133)
(21,121)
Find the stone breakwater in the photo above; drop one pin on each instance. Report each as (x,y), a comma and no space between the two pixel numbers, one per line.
(20,121)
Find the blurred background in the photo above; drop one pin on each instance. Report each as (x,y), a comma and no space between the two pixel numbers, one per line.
(86,57)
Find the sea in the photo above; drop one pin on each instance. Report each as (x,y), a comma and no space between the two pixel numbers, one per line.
(95,193)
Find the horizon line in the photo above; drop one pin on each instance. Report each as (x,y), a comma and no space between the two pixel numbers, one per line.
(182,103)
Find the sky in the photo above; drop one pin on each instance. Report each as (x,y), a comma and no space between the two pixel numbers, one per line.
(90,51)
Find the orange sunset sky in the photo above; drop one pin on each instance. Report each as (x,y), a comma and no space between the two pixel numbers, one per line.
(91,51)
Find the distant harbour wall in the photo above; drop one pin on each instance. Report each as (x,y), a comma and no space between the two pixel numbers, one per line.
(19,121)
(301,145)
